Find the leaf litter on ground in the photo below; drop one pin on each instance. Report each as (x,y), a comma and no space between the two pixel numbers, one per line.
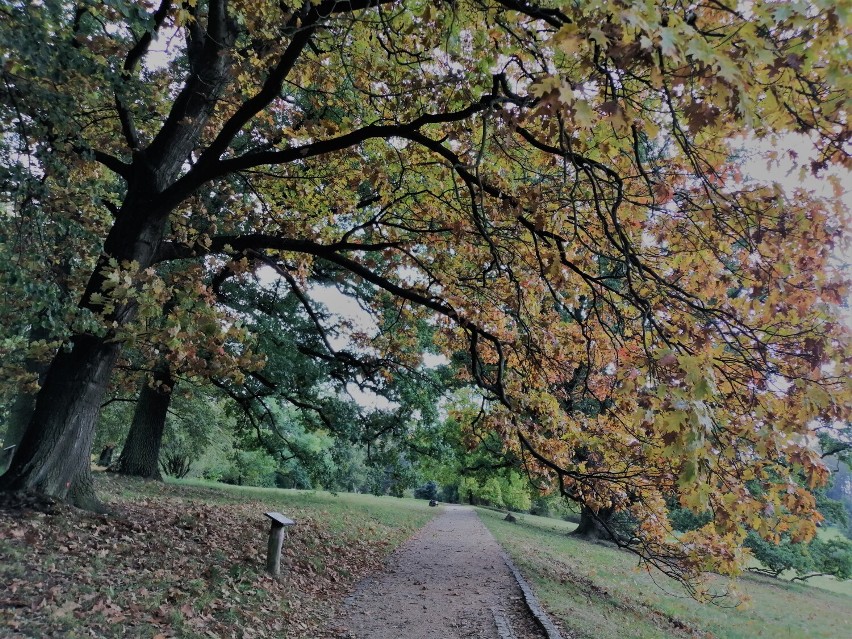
(174,561)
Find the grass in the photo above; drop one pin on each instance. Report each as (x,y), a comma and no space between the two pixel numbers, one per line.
(342,512)
(186,559)
(595,592)
(824,582)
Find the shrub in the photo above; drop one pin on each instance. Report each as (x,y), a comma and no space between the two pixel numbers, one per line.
(429,490)
(449,494)
(807,559)
(684,520)
(250,468)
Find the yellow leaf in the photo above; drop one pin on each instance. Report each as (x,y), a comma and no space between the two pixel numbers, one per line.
(584,115)
(568,39)
(544,86)
(597,36)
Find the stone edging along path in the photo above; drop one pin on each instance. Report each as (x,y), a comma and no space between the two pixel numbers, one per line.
(532,602)
(451,580)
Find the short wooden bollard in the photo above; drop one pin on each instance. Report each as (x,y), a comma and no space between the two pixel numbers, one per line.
(277,532)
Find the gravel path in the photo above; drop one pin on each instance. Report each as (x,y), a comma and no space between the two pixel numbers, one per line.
(449,581)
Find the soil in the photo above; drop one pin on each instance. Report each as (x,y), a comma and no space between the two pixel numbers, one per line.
(449,581)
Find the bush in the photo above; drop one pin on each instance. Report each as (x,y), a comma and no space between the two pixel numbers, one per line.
(491,493)
(808,559)
(556,506)
(429,490)
(515,490)
(684,520)
(175,461)
(623,524)
(449,494)
(541,506)
(250,468)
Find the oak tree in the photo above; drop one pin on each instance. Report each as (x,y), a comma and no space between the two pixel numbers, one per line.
(555,183)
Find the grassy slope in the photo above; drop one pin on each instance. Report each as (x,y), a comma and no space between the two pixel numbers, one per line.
(595,592)
(187,559)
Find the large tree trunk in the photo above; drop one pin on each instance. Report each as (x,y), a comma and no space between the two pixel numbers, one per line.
(591,526)
(141,451)
(53,457)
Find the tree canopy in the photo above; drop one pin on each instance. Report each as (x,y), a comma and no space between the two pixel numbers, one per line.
(555,186)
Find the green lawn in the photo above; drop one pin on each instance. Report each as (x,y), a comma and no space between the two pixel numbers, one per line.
(340,511)
(596,592)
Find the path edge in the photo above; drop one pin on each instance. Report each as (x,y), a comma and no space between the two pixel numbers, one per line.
(532,602)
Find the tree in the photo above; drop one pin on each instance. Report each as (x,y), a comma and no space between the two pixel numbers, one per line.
(428,490)
(39,251)
(196,416)
(191,339)
(304,385)
(140,455)
(555,185)
(815,558)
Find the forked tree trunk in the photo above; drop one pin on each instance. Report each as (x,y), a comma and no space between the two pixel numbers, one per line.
(141,452)
(53,457)
(592,527)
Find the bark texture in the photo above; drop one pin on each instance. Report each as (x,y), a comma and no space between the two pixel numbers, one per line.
(592,526)
(53,457)
(19,418)
(141,453)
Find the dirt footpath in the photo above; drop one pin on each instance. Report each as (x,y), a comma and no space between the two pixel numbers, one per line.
(448,581)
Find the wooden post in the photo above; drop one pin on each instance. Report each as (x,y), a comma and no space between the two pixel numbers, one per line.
(277,533)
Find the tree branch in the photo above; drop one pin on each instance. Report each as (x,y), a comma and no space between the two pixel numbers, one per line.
(135,54)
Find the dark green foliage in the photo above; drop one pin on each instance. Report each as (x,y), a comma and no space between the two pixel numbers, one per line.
(429,490)
(832,557)
(449,493)
(299,409)
(623,524)
(175,461)
(392,478)
(553,505)
(833,510)
(837,443)
(776,558)
(197,417)
(250,468)
(683,519)
(806,559)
